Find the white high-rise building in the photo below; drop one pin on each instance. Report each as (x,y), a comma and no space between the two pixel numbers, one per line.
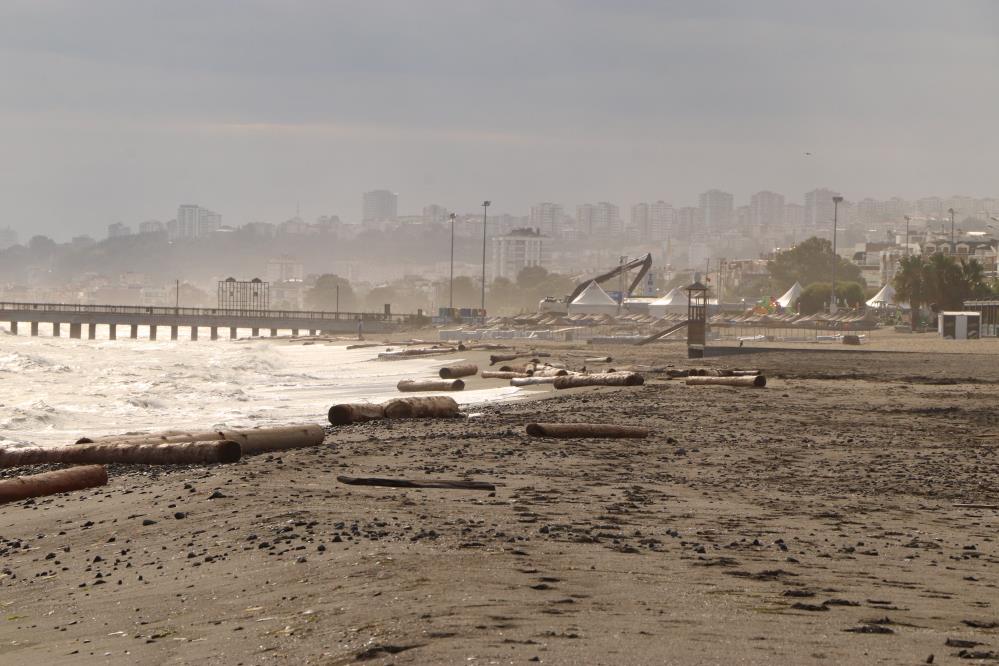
(208,222)
(640,221)
(819,209)
(547,217)
(716,210)
(766,210)
(187,221)
(517,250)
(380,206)
(662,217)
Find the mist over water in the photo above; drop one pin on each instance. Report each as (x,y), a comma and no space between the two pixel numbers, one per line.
(56,390)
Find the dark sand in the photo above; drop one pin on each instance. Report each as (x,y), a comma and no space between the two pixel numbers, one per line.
(810,522)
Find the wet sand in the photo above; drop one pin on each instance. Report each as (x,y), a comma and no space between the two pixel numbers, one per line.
(810,522)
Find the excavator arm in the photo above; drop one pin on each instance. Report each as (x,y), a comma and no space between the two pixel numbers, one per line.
(645,263)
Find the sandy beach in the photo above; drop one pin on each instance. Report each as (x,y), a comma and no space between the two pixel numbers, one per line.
(810,522)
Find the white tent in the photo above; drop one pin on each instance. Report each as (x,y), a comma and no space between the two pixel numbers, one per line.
(791,296)
(884,298)
(675,301)
(593,300)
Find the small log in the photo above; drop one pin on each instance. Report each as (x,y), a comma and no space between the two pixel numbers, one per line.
(573,430)
(416,385)
(365,345)
(251,440)
(549,371)
(757,381)
(966,505)
(526,369)
(598,359)
(408,483)
(501,358)
(169,453)
(603,379)
(440,406)
(491,374)
(408,353)
(455,371)
(355,413)
(50,483)
(263,440)
(531,381)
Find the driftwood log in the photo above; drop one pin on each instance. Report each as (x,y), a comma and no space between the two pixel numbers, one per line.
(549,371)
(408,483)
(757,381)
(455,371)
(416,385)
(603,379)
(250,440)
(579,430)
(355,413)
(440,406)
(531,381)
(169,453)
(502,358)
(503,374)
(50,483)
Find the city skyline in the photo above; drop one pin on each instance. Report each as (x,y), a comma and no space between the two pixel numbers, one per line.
(105,118)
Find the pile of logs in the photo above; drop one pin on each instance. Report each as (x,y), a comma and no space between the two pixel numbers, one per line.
(198,448)
(399,408)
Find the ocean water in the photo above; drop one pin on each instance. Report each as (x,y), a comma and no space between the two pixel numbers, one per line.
(55,390)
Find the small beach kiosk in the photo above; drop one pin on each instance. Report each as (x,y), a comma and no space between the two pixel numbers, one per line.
(959,325)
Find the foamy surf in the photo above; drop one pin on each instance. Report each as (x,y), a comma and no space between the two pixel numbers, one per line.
(56,390)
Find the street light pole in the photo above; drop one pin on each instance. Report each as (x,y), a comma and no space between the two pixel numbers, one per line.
(450,289)
(835,259)
(485,207)
(953,249)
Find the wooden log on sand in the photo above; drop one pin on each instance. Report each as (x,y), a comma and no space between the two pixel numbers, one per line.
(412,483)
(50,483)
(757,381)
(455,371)
(598,359)
(251,440)
(408,353)
(579,430)
(500,358)
(549,371)
(490,374)
(531,381)
(603,379)
(168,453)
(526,369)
(416,385)
(355,413)
(440,406)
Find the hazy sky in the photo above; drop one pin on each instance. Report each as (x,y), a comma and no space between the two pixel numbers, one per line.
(122,110)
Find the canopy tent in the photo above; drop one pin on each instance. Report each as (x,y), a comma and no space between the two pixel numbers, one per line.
(675,301)
(885,299)
(791,296)
(593,300)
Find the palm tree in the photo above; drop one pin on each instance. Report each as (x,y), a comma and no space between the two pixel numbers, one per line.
(911,285)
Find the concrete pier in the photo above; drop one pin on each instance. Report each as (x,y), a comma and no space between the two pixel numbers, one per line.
(255,332)
(92,316)
(112,331)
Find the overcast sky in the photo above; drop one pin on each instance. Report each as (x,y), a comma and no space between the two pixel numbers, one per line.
(119,111)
